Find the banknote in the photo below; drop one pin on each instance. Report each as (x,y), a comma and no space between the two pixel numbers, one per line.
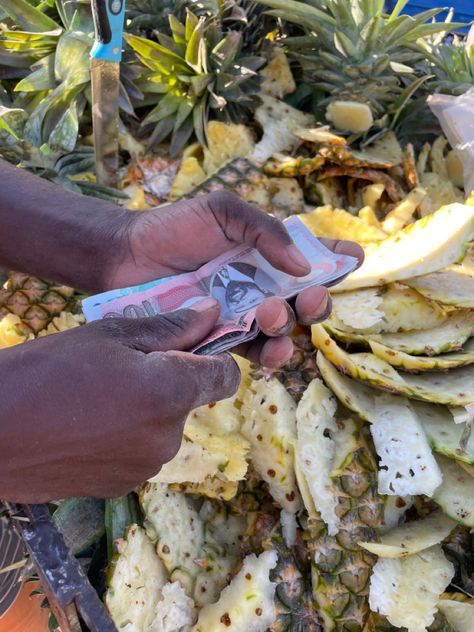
(239,279)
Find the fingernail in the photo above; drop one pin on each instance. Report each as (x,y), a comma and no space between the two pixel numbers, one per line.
(204,305)
(321,307)
(298,258)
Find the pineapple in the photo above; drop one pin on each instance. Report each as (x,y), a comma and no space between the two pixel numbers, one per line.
(412,537)
(340,568)
(451,286)
(35,302)
(355,51)
(407,362)
(407,590)
(200,70)
(247,603)
(429,244)
(350,116)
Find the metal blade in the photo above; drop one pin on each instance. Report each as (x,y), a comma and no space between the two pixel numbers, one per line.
(105,77)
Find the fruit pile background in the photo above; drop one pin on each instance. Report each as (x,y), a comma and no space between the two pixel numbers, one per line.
(337,493)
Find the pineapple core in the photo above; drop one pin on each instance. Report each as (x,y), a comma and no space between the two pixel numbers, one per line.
(350,116)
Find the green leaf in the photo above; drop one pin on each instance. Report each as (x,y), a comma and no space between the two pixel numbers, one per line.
(194,47)
(290,8)
(200,113)
(119,514)
(65,131)
(397,9)
(72,59)
(12,121)
(191,22)
(152,51)
(40,79)
(180,136)
(27,17)
(167,106)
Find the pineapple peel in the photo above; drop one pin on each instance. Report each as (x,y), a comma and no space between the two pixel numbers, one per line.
(316,449)
(456,494)
(412,537)
(137,579)
(269,425)
(428,245)
(407,590)
(451,286)
(460,615)
(247,603)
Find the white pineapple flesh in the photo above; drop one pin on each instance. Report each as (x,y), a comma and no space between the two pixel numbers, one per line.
(385,310)
(451,286)
(412,537)
(247,604)
(402,214)
(407,590)
(460,615)
(269,414)
(456,493)
(407,465)
(350,116)
(138,576)
(174,612)
(428,245)
(443,434)
(336,223)
(316,449)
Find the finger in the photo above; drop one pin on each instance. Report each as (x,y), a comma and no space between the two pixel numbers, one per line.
(275,317)
(244,223)
(342,247)
(179,330)
(268,352)
(313,305)
(197,380)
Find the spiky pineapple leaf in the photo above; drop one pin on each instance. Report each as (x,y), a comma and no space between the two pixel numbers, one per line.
(27,16)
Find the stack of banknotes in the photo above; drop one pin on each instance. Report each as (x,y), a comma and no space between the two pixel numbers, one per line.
(239,279)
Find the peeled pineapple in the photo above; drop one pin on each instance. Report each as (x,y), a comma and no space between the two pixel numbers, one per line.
(350,116)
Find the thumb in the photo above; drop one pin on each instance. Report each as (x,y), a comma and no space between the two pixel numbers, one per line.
(179,331)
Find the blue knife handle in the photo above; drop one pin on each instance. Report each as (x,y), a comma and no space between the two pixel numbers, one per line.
(108,17)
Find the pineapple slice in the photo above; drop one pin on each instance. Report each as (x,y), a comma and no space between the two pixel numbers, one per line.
(402,214)
(174,612)
(185,544)
(211,488)
(11,333)
(278,121)
(455,168)
(412,537)
(371,195)
(451,286)
(430,244)
(315,450)
(368,215)
(460,615)
(279,79)
(440,192)
(408,362)
(395,508)
(407,465)
(269,415)
(137,577)
(455,387)
(195,464)
(385,310)
(456,494)
(226,141)
(449,336)
(350,116)
(247,603)
(443,435)
(407,590)
(189,176)
(335,223)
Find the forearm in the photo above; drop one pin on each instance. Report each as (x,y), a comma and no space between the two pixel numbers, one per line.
(55,234)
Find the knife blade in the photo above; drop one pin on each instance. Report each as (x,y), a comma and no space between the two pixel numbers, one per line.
(106,54)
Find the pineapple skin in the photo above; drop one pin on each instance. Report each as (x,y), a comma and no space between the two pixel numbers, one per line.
(34,301)
(340,568)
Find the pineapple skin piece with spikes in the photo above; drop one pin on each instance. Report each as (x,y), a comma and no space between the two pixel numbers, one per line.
(247,603)
(34,301)
(340,568)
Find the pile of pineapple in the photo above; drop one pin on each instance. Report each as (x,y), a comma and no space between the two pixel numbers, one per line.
(337,493)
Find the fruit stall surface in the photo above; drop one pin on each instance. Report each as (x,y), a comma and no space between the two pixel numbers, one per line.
(335,494)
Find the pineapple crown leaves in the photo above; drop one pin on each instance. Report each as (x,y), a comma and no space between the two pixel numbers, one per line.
(355,46)
(453,63)
(199,70)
